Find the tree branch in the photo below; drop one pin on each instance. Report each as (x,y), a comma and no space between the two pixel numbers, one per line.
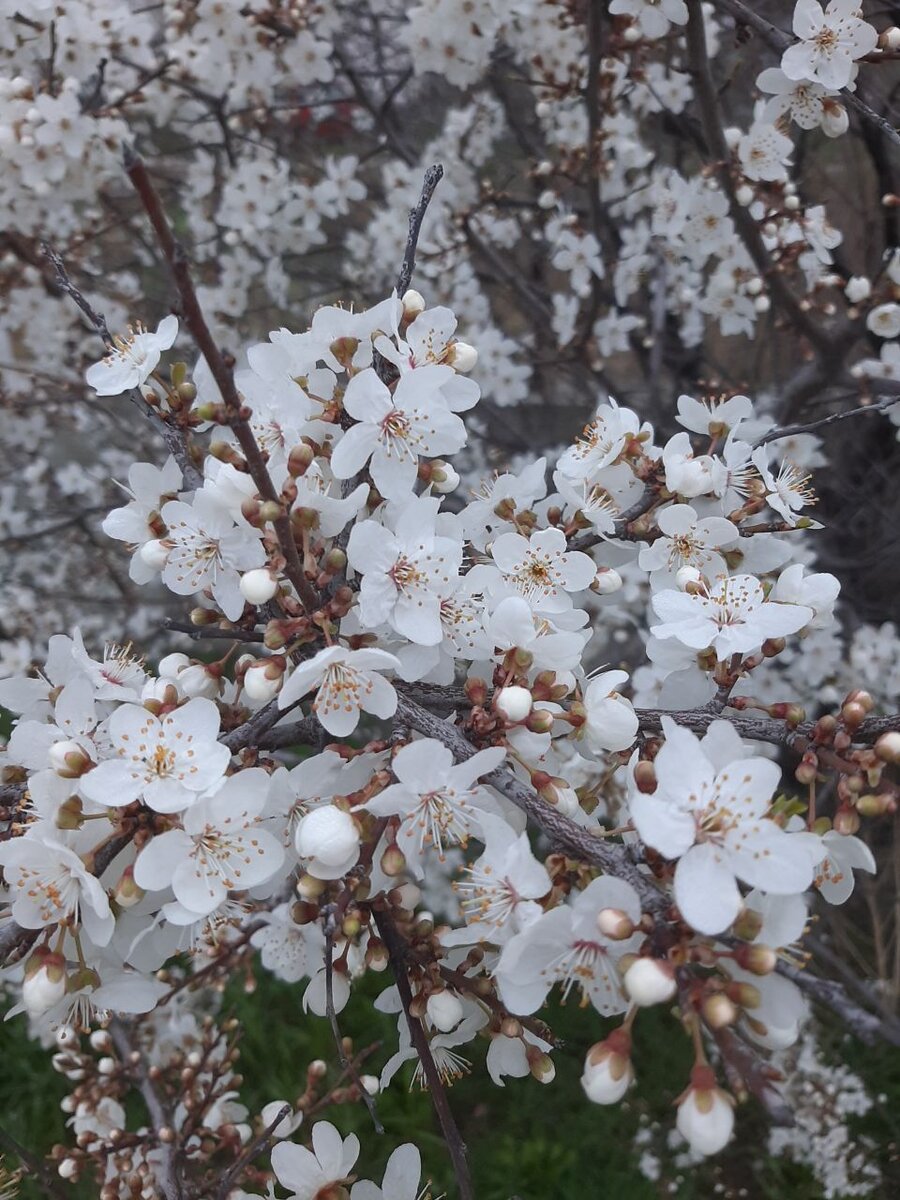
(433,177)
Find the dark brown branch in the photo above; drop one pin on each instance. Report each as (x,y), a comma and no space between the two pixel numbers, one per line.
(396,948)
(235,412)
(433,177)
(201,633)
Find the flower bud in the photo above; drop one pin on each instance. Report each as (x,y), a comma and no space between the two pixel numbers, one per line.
(462,357)
(154,554)
(719,1011)
(748,924)
(444,1010)
(542,1067)
(858,288)
(45,982)
(69,760)
(650,981)
(705,1113)
(608,1072)
(444,479)
(328,834)
(200,680)
(615,924)
(513,704)
(126,892)
(258,586)
(888,747)
(760,960)
(413,303)
(300,459)
(606,581)
(393,861)
(685,577)
(871,805)
(645,777)
(262,680)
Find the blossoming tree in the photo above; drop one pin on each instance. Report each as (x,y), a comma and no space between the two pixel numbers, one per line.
(414,687)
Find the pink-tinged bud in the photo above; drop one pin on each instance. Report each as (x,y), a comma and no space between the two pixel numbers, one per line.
(155,554)
(615,924)
(258,586)
(608,1072)
(413,303)
(444,1010)
(476,691)
(846,821)
(513,704)
(462,357)
(511,1027)
(747,995)
(300,460)
(760,960)
(335,560)
(853,714)
(69,760)
(650,981)
(126,892)
(719,1011)
(606,581)
(807,769)
(262,680)
(705,1113)
(393,861)
(539,720)
(888,747)
(645,777)
(772,647)
(45,982)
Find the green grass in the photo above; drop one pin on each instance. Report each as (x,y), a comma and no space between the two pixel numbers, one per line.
(525,1140)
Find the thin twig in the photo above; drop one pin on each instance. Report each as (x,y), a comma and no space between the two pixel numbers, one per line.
(253,1150)
(433,177)
(785,431)
(347,1064)
(396,948)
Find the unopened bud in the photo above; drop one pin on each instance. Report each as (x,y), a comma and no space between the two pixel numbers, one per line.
(871,805)
(444,1010)
(69,760)
(615,924)
(258,586)
(126,892)
(719,1011)
(413,303)
(513,704)
(154,554)
(645,777)
(300,459)
(846,821)
(758,959)
(748,924)
(606,581)
(888,747)
(650,981)
(444,479)
(393,861)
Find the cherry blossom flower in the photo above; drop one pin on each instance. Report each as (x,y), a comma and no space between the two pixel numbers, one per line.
(601,443)
(830,42)
(393,429)
(498,893)
(713,821)
(787,492)
(764,153)
(347,682)
(132,359)
(686,475)
(437,799)
(307,1173)
(513,624)
(166,761)
(206,548)
(139,521)
(810,105)
(542,569)
(732,617)
(688,541)
(565,946)
(221,847)
(405,574)
(49,882)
